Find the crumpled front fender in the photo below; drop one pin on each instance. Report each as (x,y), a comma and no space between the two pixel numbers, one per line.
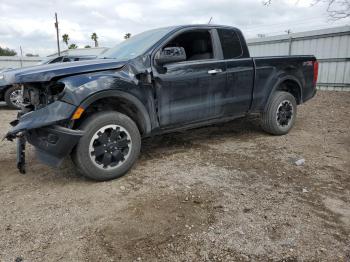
(49,115)
(80,87)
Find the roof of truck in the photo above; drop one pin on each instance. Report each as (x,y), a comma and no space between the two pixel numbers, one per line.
(200,26)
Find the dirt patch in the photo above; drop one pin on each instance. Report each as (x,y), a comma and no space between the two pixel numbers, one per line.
(227,192)
(166,222)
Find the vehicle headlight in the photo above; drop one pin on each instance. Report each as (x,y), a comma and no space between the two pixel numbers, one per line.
(2,77)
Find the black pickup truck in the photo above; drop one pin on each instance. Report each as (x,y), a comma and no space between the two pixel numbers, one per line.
(159,81)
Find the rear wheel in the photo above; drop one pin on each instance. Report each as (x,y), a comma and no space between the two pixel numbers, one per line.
(13,97)
(109,147)
(280,114)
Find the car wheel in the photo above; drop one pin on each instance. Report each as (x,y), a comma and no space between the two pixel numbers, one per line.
(109,147)
(280,114)
(13,97)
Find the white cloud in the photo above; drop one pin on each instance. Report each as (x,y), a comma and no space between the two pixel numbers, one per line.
(73,29)
(87,3)
(130,11)
(30,23)
(303,3)
(173,5)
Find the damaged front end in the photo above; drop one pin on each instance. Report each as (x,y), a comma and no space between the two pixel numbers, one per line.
(45,122)
(53,101)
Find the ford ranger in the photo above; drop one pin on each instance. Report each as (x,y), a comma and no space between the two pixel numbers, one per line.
(158,81)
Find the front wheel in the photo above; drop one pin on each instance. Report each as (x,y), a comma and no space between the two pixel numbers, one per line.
(280,114)
(109,147)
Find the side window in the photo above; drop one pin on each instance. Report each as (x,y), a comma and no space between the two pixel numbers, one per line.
(197,44)
(230,43)
(66,59)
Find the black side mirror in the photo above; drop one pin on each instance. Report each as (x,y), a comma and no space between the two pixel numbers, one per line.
(170,55)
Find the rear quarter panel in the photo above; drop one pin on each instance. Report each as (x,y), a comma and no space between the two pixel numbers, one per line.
(272,71)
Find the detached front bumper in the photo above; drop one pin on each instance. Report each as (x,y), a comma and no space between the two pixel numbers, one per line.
(41,128)
(53,143)
(50,115)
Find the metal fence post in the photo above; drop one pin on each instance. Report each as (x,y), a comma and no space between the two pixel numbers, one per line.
(290,45)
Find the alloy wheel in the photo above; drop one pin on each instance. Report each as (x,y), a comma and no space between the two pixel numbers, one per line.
(110,147)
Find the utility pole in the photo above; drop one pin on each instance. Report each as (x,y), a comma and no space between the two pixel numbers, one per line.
(58,40)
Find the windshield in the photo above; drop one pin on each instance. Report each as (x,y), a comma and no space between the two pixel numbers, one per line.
(136,45)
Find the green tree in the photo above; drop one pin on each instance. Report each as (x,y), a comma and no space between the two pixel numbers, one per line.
(7,52)
(72,46)
(65,38)
(87,46)
(127,36)
(94,37)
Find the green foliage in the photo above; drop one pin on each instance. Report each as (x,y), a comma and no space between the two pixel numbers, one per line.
(127,35)
(7,52)
(72,46)
(65,38)
(94,37)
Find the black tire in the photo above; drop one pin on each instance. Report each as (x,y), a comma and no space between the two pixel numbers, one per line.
(10,103)
(280,114)
(98,128)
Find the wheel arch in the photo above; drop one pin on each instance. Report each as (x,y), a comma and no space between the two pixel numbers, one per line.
(120,101)
(289,84)
(3,90)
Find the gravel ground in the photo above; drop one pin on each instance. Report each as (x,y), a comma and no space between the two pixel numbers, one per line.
(222,193)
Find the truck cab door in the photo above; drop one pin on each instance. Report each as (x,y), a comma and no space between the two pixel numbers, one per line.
(189,91)
(240,73)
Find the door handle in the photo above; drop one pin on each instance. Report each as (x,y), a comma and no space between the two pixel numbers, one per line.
(214,71)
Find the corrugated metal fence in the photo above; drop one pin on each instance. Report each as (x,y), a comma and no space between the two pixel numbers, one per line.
(330,46)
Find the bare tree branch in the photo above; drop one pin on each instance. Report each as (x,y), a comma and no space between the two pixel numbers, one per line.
(336,9)
(267,2)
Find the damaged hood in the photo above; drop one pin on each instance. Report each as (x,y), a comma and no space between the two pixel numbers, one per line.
(43,73)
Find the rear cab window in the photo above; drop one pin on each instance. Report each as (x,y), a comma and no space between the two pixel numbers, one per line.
(230,43)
